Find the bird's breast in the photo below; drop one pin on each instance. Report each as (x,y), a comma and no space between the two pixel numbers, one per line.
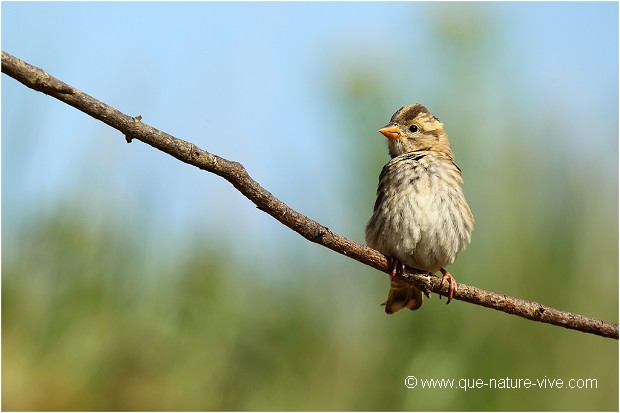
(421,216)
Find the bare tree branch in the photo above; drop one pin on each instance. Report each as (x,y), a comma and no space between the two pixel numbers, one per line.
(236,174)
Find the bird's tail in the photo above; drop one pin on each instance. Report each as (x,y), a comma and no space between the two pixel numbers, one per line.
(402,295)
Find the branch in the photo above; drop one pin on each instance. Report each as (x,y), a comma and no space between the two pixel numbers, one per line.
(236,174)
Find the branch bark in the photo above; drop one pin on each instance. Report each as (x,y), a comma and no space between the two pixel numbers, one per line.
(235,173)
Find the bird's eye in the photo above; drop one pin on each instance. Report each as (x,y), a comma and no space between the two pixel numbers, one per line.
(413,128)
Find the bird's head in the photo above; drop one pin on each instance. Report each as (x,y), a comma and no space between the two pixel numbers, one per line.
(413,128)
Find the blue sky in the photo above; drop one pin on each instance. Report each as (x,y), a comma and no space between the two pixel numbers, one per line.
(257,83)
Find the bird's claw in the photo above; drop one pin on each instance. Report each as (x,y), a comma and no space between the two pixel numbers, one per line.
(395,266)
(452,286)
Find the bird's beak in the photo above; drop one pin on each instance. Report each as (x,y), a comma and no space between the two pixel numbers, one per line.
(391,132)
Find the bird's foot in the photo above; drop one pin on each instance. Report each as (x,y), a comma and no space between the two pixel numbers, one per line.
(452,286)
(395,266)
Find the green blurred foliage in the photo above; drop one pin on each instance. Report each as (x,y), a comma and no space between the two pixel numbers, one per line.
(95,320)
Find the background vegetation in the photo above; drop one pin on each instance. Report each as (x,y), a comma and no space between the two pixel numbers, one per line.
(133,282)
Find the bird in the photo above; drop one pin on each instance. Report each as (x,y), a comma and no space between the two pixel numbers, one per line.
(420,218)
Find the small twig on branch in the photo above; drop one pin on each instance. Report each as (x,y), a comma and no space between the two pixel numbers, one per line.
(235,173)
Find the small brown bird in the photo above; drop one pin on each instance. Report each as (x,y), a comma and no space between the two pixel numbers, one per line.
(420,218)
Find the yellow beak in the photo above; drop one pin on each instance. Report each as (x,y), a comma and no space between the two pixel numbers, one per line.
(391,132)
